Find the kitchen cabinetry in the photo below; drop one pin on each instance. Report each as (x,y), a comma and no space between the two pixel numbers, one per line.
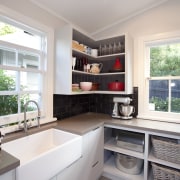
(110,147)
(65,76)
(90,165)
(11,175)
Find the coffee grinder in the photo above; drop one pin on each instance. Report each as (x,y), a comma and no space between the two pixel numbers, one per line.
(122,109)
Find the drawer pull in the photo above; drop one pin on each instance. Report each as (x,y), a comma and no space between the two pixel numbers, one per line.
(95,164)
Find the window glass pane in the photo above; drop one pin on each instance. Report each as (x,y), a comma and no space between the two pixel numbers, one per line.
(7,57)
(30,81)
(19,36)
(31,106)
(28,60)
(175,96)
(7,80)
(21,52)
(158,95)
(165,60)
(8,104)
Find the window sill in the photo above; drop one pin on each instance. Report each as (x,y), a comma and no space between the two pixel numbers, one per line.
(19,134)
(162,119)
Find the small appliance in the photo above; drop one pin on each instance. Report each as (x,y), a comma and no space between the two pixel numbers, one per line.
(122,109)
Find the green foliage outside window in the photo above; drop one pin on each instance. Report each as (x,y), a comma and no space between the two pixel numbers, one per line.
(9,103)
(165,61)
(162,105)
(6,29)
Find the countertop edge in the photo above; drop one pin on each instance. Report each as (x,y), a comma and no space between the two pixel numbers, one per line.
(9,162)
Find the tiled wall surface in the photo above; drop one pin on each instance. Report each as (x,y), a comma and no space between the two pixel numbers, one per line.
(69,105)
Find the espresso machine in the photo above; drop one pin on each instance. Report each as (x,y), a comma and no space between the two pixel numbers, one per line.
(122,109)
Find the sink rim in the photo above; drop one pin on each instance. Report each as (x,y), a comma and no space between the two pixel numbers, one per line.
(41,154)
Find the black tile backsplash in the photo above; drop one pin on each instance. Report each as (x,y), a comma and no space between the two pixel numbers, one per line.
(68,105)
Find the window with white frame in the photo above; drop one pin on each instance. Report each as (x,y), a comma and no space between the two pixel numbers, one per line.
(23,72)
(161,84)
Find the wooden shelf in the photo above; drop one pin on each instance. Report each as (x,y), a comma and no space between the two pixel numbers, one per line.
(97,92)
(110,169)
(111,145)
(97,57)
(100,74)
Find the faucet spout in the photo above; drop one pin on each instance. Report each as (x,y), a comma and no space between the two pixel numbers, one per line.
(25,110)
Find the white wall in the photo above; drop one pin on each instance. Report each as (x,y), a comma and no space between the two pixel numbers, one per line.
(162,19)
(27,8)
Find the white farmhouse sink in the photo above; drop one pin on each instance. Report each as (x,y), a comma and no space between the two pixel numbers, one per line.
(44,154)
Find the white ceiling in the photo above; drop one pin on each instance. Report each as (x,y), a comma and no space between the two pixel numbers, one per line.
(93,16)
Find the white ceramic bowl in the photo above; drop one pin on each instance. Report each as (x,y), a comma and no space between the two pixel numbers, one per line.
(86,86)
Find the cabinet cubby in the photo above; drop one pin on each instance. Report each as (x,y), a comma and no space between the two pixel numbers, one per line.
(110,147)
(65,76)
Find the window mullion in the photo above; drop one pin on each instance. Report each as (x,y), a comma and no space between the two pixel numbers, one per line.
(18,84)
(169,99)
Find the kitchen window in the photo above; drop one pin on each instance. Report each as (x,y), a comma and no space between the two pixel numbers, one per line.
(160,81)
(23,74)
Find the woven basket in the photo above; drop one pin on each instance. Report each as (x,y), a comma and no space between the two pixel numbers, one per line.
(164,173)
(166,149)
(78,46)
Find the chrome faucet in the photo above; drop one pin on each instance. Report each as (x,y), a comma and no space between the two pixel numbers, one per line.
(25,110)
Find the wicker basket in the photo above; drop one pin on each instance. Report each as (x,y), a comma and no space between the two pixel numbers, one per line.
(78,46)
(164,173)
(166,149)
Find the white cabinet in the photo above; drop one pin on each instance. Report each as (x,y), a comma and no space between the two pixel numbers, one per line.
(90,165)
(11,175)
(148,157)
(65,76)
(95,154)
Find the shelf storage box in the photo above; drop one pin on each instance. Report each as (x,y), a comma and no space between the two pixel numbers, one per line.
(166,149)
(128,164)
(164,173)
(130,140)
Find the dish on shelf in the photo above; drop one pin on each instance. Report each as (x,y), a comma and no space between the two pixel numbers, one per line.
(75,87)
(95,86)
(86,86)
(116,86)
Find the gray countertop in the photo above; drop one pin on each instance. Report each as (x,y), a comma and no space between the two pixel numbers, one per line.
(82,124)
(7,162)
(148,125)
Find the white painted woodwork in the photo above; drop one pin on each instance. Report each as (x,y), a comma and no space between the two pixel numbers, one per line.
(63,62)
(112,172)
(10,175)
(90,165)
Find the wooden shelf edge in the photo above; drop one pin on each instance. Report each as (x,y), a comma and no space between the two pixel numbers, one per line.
(111,145)
(100,74)
(98,57)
